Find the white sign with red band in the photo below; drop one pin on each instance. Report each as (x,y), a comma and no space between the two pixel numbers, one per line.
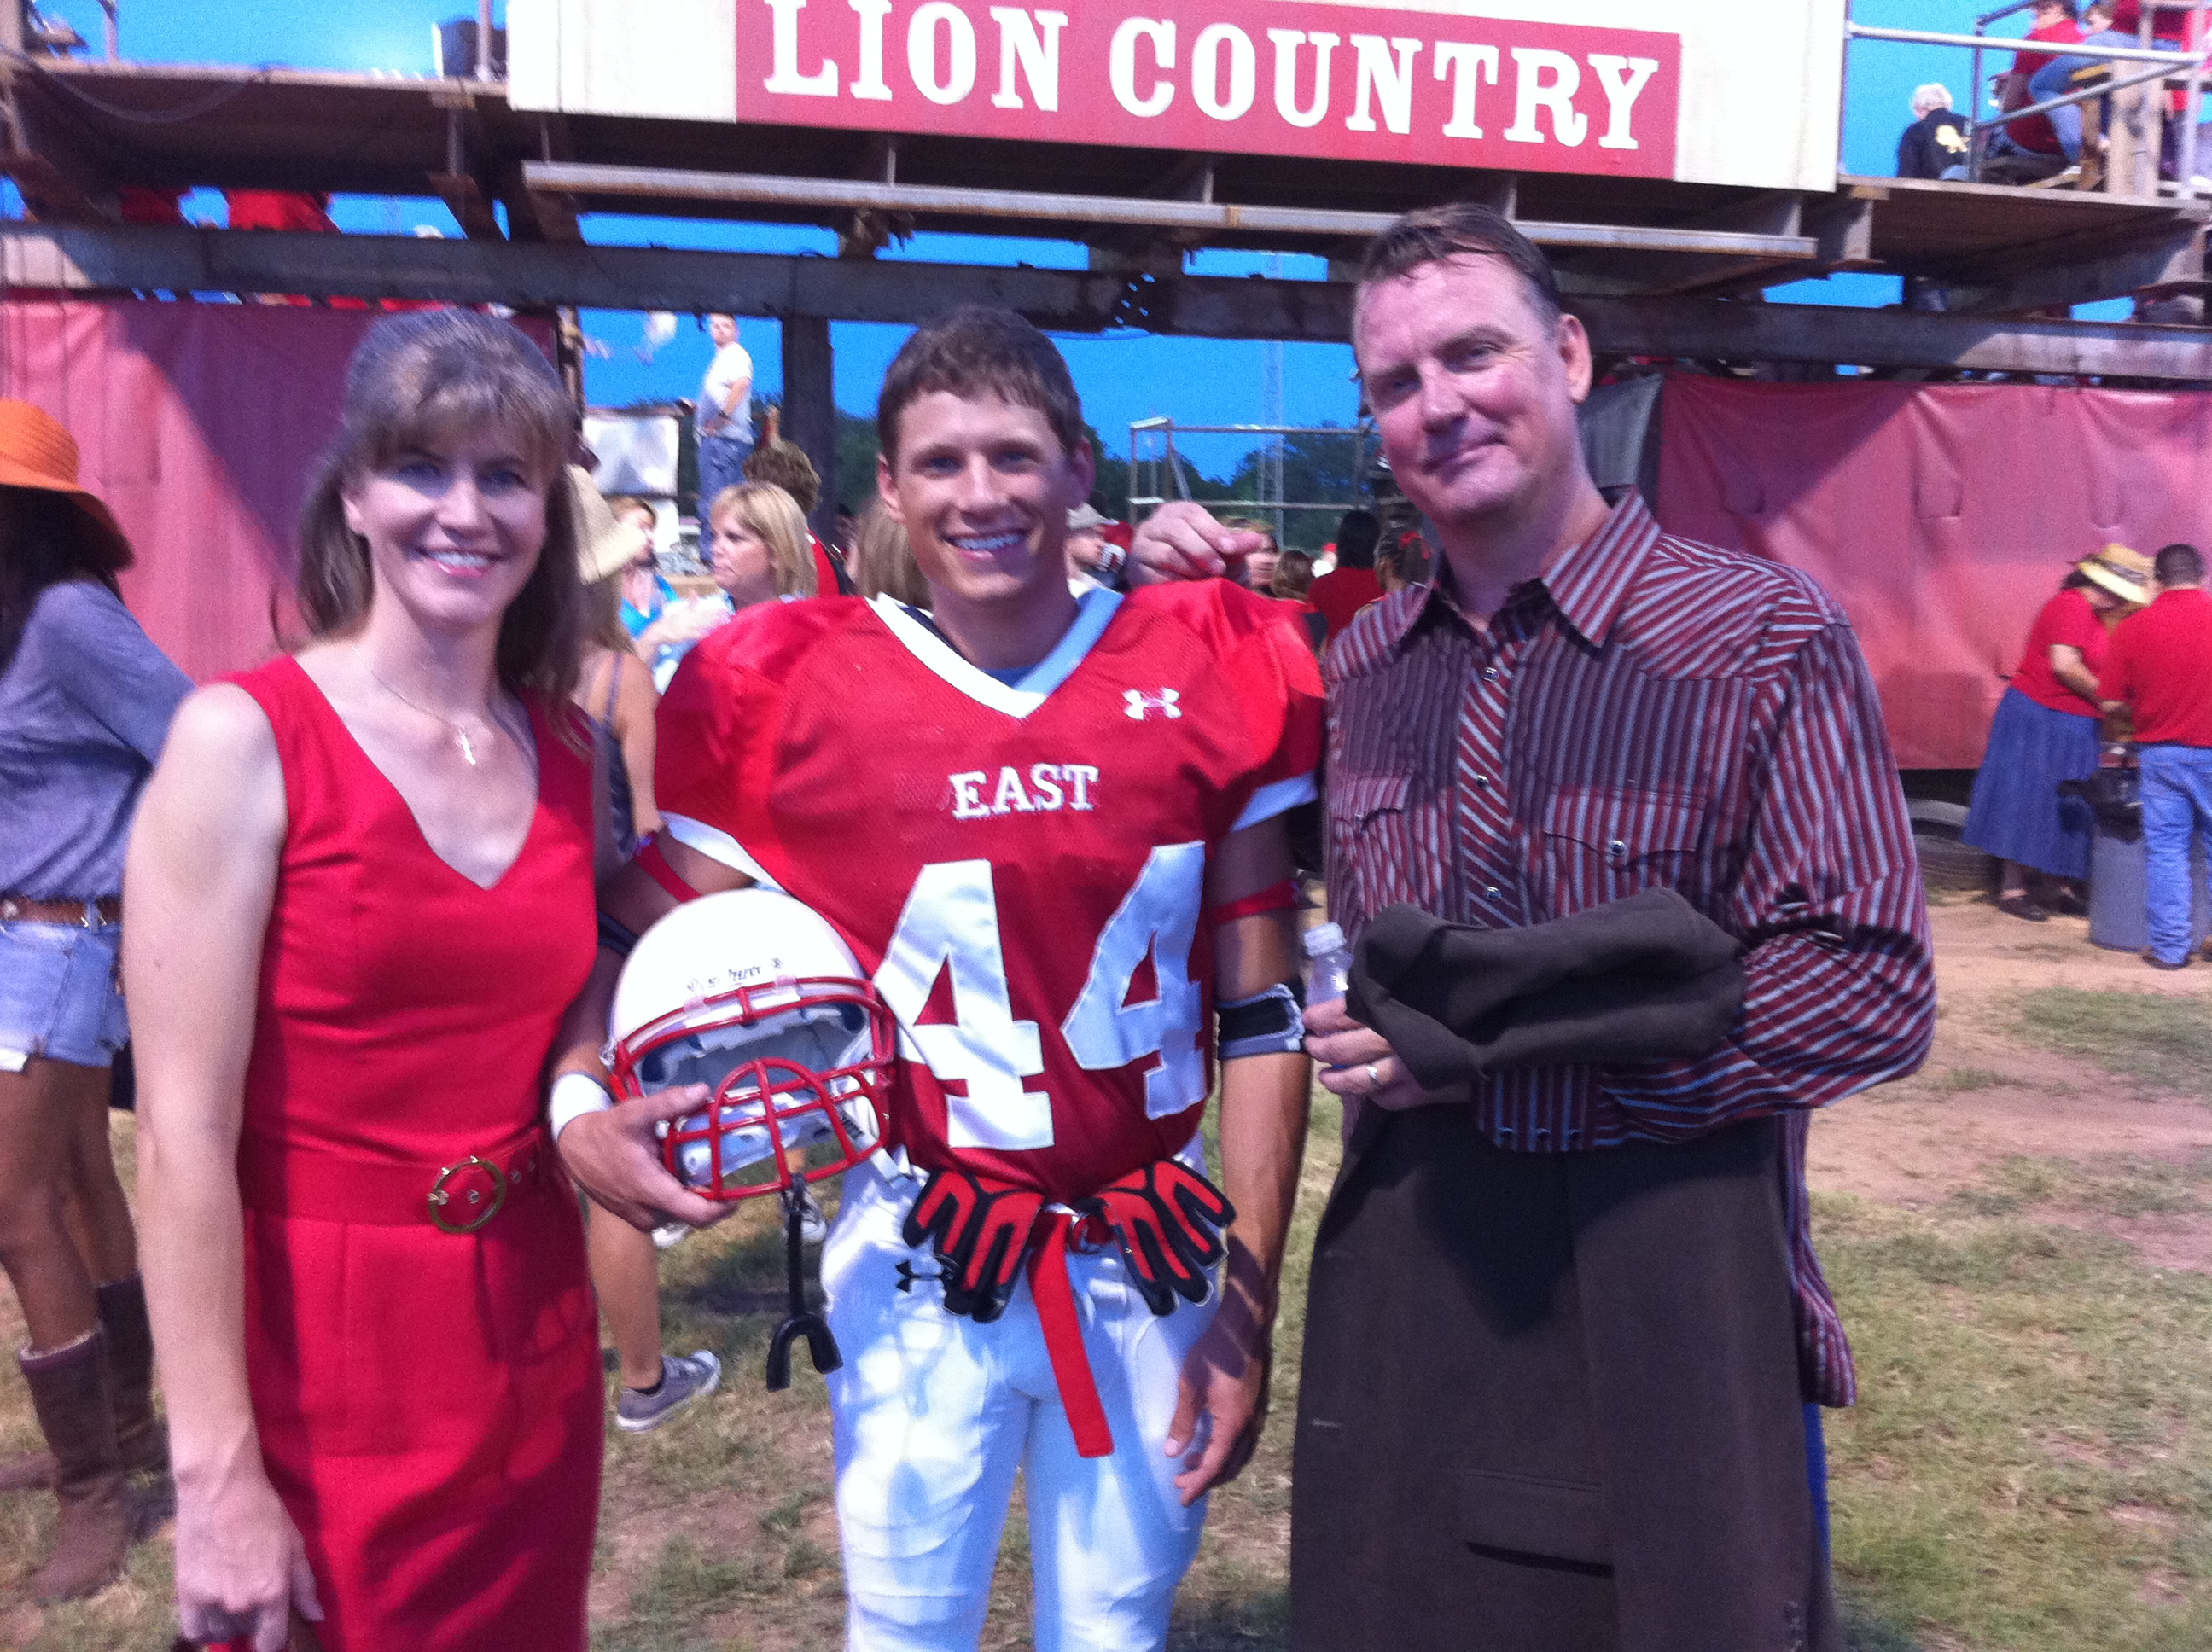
(1743,91)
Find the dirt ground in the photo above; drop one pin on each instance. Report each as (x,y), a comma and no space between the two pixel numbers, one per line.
(1985,1096)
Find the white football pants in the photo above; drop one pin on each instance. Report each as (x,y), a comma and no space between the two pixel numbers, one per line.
(934,1415)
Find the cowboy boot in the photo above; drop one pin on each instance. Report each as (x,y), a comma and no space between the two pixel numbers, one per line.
(140,1436)
(70,1391)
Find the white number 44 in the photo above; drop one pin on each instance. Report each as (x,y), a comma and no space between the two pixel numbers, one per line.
(951,921)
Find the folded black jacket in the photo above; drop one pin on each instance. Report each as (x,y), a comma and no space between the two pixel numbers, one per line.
(1649,978)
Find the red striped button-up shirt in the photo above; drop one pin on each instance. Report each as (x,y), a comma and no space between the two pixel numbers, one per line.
(1651,712)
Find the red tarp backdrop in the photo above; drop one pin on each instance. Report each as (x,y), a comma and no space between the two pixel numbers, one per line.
(1940,516)
(200,425)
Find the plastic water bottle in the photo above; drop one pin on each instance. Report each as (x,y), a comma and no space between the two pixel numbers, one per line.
(1329,966)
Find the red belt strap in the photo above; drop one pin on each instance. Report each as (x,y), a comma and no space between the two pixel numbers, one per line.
(279,1179)
(1167,1218)
(658,868)
(1062,1323)
(1276,897)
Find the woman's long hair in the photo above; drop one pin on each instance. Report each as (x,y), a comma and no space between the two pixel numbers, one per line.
(884,563)
(419,380)
(40,545)
(773,517)
(602,616)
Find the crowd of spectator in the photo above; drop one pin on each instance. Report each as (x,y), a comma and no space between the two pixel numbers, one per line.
(2056,144)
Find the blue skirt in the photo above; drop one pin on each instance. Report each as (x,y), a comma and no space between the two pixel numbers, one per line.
(2017,813)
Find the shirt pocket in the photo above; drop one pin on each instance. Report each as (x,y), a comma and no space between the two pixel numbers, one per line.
(1604,843)
(1372,858)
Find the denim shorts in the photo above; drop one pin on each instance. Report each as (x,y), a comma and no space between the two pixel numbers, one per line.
(59,994)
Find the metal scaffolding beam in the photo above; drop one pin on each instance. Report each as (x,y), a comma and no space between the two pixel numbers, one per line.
(83,130)
(77,259)
(663,184)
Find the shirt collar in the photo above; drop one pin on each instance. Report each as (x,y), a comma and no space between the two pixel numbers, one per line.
(1586,586)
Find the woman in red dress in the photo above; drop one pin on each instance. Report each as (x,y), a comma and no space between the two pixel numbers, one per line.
(362,898)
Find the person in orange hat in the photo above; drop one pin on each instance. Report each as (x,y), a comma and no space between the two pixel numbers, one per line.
(85,703)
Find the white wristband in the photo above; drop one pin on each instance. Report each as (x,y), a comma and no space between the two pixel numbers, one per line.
(573,1095)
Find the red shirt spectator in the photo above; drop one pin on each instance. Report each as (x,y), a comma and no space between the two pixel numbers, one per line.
(2127,16)
(278,209)
(2068,621)
(2064,31)
(2036,133)
(1336,597)
(2160,663)
(143,203)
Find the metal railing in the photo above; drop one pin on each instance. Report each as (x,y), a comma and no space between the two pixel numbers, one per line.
(1168,465)
(2190,62)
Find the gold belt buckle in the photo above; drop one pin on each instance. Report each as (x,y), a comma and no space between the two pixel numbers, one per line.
(440,1198)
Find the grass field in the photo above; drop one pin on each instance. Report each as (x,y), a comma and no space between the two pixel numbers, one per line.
(2029,1466)
(2157,1041)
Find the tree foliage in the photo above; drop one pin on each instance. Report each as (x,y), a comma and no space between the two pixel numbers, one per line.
(1316,469)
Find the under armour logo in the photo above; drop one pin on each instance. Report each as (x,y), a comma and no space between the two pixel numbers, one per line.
(907,1276)
(1138,704)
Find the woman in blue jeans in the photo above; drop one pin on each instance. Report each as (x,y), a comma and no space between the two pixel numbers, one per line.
(85,703)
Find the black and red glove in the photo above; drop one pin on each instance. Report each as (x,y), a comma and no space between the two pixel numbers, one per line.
(980,1231)
(1168,1220)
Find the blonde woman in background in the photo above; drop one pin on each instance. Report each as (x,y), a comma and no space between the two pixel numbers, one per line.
(761,550)
(757,549)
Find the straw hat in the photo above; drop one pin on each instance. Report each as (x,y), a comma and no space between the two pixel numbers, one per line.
(605,545)
(2118,572)
(36,451)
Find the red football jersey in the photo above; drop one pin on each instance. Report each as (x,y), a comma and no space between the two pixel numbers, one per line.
(1021,869)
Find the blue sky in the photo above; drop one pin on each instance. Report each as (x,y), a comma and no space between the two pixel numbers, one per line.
(1122,377)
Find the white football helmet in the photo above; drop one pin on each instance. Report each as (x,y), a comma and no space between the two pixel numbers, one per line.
(756,995)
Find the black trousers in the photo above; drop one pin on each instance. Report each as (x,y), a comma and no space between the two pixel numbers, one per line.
(1550,1403)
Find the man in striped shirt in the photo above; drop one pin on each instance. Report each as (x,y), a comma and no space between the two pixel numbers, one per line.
(1562,1317)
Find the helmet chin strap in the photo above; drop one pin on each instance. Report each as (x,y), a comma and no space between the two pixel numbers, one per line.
(801,1320)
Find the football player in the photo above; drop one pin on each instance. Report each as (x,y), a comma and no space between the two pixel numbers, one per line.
(1051,829)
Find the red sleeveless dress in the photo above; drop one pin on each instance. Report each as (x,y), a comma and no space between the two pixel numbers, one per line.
(430,1403)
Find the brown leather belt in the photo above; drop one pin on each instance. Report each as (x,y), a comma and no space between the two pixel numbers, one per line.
(88,914)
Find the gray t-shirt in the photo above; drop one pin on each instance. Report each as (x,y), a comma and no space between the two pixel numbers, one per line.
(84,707)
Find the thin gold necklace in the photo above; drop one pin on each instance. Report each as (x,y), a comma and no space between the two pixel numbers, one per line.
(467,750)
